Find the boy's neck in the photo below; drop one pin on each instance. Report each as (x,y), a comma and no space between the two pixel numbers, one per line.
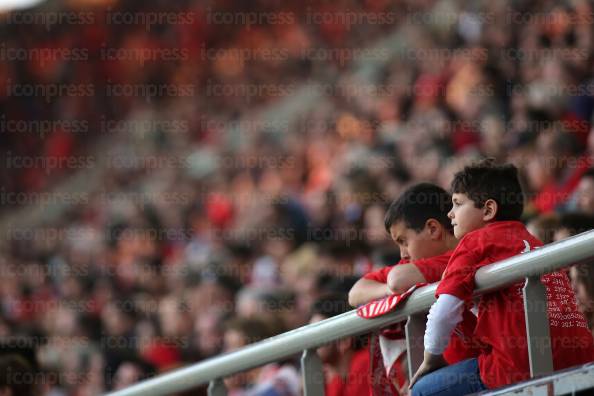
(450,241)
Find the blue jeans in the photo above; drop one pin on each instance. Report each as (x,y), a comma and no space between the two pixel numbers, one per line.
(455,380)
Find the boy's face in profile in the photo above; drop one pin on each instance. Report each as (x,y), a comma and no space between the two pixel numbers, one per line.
(414,244)
(465,216)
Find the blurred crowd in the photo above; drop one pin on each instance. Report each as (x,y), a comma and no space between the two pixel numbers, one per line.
(200,240)
(74,73)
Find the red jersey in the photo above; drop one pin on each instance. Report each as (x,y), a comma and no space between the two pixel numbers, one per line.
(431,268)
(358,381)
(460,346)
(501,328)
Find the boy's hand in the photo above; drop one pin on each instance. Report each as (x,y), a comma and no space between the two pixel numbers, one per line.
(430,363)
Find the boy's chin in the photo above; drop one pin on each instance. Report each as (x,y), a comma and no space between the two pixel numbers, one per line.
(459,233)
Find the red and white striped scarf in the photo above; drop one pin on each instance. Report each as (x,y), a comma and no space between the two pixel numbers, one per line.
(387,346)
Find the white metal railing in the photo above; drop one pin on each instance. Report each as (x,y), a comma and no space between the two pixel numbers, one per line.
(564,382)
(306,339)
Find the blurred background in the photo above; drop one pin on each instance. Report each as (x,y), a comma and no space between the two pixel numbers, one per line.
(179,179)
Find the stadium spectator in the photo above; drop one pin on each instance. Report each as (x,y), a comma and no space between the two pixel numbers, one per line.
(571,224)
(581,275)
(346,361)
(544,227)
(273,379)
(129,372)
(582,282)
(17,376)
(487,204)
(418,224)
(585,193)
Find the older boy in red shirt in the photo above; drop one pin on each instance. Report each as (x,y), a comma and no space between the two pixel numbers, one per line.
(417,222)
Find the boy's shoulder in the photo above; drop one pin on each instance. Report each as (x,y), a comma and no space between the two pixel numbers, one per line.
(500,238)
(499,231)
(443,257)
(381,274)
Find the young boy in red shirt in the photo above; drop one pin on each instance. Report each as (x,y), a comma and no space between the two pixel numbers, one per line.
(487,204)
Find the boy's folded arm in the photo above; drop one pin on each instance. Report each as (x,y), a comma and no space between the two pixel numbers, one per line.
(367,290)
(444,316)
(403,276)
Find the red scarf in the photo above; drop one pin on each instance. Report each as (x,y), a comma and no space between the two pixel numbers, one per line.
(383,384)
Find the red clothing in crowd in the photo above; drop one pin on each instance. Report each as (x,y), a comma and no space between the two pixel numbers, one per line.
(557,192)
(357,382)
(501,330)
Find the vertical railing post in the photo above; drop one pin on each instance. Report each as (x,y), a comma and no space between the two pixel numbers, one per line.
(415,331)
(217,387)
(313,373)
(537,327)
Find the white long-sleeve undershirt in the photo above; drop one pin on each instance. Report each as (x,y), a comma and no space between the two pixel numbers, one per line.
(444,316)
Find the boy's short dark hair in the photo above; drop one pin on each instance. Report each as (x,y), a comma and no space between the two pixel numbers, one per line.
(418,204)
(486,180)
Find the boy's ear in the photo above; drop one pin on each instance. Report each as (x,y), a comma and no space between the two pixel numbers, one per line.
(435,229)
(490,210)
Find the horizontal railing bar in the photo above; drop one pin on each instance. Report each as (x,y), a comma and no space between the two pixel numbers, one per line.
(275,348)
(549,258)
(540,261)
(565,382)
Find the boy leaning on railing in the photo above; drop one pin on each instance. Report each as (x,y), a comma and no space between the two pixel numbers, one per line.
(417,222)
